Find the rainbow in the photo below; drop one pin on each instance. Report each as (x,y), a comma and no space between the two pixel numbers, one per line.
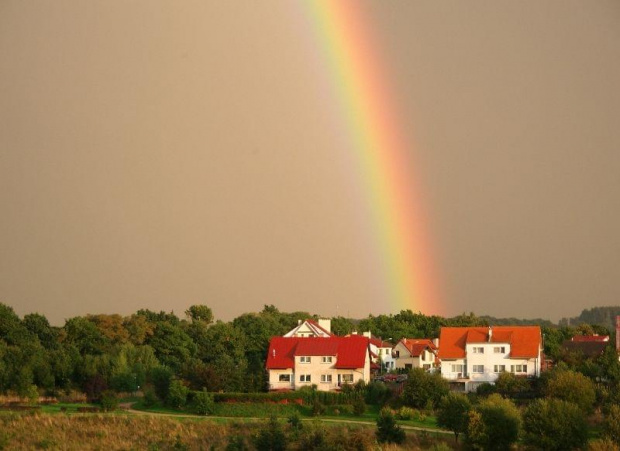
(359,81)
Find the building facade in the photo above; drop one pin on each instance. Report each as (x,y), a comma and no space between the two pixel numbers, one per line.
(471,356)
(327,362)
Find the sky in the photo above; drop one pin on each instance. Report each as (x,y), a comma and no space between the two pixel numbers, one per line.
(158,154)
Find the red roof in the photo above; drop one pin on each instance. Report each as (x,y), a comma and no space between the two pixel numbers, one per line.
(416,346)
(380,343)
(350,352)
(590,338)
(525,341)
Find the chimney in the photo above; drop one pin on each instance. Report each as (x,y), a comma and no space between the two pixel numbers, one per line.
(490,333)
(436,342)
(299,322)
(367,334)
(274,352)
(326,324)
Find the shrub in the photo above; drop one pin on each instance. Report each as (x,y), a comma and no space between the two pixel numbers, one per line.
(108,401)
(359,407)
(271,437)
(611,424)
(572,387)
(161,377)
(150,398)
(424,390)
(318,408)
(453,413)
(494,425)
(553,424)
(406,413)
(387,429)
(294,420)
(203,403)
(177,394)
(485,389)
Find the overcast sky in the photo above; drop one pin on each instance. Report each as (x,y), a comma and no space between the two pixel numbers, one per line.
(163,154)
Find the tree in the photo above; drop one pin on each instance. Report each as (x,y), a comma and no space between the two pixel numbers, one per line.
(453,413)
(570,386)
(553,424)
(177,394)
(387,429)
(508,384)
(500,424)
(611,424)
(272,437)
(422,389)
(203,403)
(200,313)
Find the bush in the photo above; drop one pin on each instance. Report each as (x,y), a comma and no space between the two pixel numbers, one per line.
(485,389)
(271,437)
(406,413)
(150,398)
(424,390)
(387,429)
(453,413)
(108,401)
(553,424)
(318,408)
(611,424)
(494,424)
(359,407)
(203,403)
(294,420)
(177,394)
(161,377)
(572,387)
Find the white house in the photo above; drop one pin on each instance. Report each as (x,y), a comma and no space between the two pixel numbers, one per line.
(473,355)
(327,362)
(415,353)
(310,328)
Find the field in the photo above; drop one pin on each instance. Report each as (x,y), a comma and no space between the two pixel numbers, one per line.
(23,431)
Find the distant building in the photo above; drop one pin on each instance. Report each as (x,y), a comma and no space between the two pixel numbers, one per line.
(471,356)
(310,328)
(415,353)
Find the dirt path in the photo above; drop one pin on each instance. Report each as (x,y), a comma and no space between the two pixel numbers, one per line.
(127,408)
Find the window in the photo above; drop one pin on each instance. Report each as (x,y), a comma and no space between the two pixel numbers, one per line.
(327,359)
(397,353)
(518,368)
(326,377)
(499,350)
(457,368)
(478,350)
(408,366)
(285,378)
(499,368)
(347,378)
(304,378)
(426,366)
(304,359)
(478,369)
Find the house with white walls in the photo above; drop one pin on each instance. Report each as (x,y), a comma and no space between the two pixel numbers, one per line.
(311,328)
(412,353)
(471,356)
(327,362)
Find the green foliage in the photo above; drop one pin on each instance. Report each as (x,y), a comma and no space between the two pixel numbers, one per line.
(570,386)
(508,384)
(177,394)
(485,389)
(294,421)
(387,429)
(203,403)
(553,424)
(453,413)
(377,393)
(422,389)
(150,398)
(498,425)
(161,377)
(406,413)
(271,437)
(611,424)
(318,408)
(108,401)
(359,407)
(200,313)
